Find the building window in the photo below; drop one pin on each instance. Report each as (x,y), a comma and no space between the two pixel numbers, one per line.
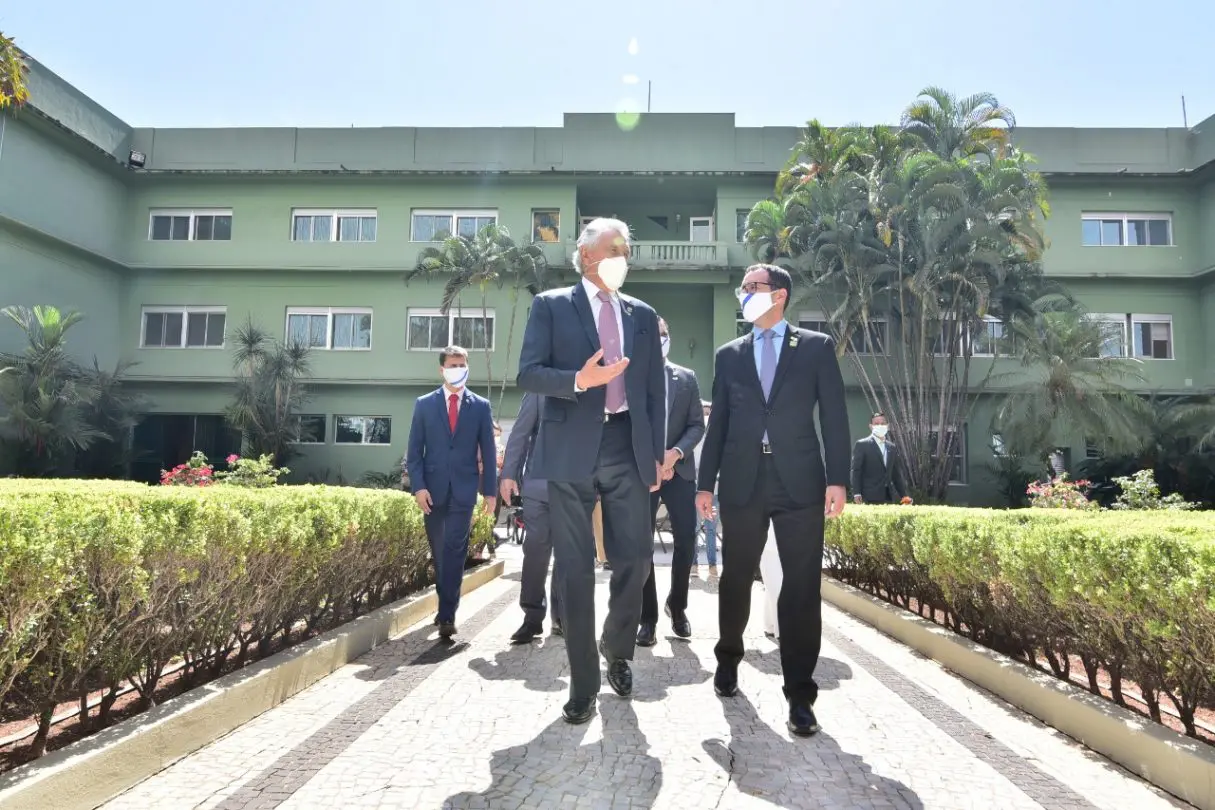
(1092,450)
(362,430)
(992,339)
(1153,336)
(329,328)
(546,225)
(333,226)
(740,225)
(183,327)
(312,429)
(435,226)
(190,226)
(870,340)
(998,447)
(1127,230)
(741,325)
(1113,334)
(431,330)
(955,455)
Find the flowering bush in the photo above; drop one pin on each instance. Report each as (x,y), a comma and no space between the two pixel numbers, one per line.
(248,472)
(197,472)
(1140,491)
(1060,493)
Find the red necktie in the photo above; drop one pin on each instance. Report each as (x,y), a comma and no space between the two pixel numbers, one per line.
(452,412)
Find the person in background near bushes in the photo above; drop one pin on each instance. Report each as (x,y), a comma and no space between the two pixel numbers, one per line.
(710,524)
(451,426)
(762,440)
(538,541)
(685,429)
(877,466)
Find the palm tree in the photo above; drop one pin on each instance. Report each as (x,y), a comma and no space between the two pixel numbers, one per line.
(1067,383)
(954,128)
(269,393)
(13,90)
(490,257)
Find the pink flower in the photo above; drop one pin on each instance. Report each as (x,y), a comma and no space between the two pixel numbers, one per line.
(232,459)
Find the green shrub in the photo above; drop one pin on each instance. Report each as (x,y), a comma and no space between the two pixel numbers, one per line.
(1130,593)
(101,582)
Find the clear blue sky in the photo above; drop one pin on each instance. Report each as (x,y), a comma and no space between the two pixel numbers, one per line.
(524,63)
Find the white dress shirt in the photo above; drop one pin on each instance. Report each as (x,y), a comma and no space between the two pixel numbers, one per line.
(592,294)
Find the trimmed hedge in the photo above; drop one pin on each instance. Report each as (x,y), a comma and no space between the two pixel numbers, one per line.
(105,582)
(1130,593)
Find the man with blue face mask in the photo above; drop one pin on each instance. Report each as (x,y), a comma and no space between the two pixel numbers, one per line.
(451,426)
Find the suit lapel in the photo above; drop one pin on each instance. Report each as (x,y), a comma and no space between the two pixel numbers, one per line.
(748,357)
(627,325)
(792,340)
(441,400)
(463,417)
(672,388)
(582,305)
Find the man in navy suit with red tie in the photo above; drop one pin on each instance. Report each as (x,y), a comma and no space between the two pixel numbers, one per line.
(449,427)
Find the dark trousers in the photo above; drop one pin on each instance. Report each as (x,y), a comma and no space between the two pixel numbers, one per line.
(537,550)
(679,494)
(799,609)
(447,530)
(628,542)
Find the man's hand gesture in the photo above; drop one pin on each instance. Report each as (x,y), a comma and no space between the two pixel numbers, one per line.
(593,375)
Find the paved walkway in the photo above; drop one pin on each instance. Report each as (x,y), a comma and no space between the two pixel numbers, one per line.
(418,725)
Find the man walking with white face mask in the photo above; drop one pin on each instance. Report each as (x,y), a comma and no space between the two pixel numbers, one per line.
(763,447)
(595,356)
(449,427)
(877,467)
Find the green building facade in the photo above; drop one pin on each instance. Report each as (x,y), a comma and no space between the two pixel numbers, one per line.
(170,239)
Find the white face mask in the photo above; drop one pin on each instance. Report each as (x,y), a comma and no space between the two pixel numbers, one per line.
(612,272)
(666,346)
(455,376)
(755,305)
(880,431)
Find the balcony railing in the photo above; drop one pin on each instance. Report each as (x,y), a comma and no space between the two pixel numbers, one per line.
(678,254)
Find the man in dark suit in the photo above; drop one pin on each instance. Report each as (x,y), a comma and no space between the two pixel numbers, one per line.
(538,542)
(603,426)
(685,429)
(877,467)
(762,443)
(450,427)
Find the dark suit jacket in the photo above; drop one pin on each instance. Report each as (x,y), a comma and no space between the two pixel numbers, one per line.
(520,447)
(560,337)
(874,480)
(807,374)
(445,464)
(685,417)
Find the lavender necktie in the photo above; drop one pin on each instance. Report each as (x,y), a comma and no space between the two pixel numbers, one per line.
(609,341)
(767,365)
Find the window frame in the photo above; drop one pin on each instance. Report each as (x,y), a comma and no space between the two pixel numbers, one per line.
(455,213)
(1120,319)
(435,312)
(185,312)
(816,316)
(963,454)
(1125,217)
(363,443)
(324,430)
(1004,338)
(535,211)
(740,227)
(330,313)
(336,215)
(193,214)
(1138,318)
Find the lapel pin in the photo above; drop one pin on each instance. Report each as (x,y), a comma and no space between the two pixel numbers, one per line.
(793,341)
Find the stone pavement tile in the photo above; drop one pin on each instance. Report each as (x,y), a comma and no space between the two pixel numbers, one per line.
(209,776)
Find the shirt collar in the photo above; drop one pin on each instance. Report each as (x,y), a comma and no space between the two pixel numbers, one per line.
(780,328)
(592,292)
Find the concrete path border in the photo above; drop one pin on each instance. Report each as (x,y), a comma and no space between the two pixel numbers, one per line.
(1171,761)
(93,770)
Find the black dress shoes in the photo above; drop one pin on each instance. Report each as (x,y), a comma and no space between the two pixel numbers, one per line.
(447,629)
(647,634)
(619,675)
(679,622)
(578,710)
(725,682)
(526,634)
(802,721)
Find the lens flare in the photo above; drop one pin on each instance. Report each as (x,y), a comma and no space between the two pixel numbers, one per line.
(628,114)
(633,47)
(630,78)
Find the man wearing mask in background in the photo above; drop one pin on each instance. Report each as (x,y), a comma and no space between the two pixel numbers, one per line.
(452,430)
(877,467)
(685,429)
(603,434)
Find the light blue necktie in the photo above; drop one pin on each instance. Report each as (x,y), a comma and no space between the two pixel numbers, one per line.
(767,365)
